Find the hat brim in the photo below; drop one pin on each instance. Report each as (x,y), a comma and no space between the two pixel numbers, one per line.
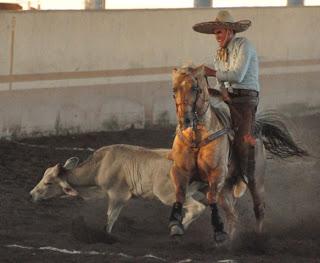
(209,27)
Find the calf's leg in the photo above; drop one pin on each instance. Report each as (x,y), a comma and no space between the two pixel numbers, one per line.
(193,209)
(116,203)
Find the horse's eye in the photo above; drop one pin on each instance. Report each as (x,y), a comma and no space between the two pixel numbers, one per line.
(174,96)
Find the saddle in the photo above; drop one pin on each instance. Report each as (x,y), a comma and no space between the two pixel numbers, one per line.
(223,113)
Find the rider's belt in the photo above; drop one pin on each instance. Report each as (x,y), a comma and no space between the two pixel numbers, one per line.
(243,92)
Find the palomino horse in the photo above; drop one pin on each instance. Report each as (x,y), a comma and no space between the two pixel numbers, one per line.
(201,149)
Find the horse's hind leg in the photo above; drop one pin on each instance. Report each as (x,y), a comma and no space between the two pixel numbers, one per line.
(227,202)
(256,187)
(258,203)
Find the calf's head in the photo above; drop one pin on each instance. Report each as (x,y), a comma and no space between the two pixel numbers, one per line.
(54,182)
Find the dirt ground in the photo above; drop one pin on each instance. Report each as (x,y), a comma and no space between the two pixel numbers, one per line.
(49,231)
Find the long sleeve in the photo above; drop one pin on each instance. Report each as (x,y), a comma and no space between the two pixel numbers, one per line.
(240,66)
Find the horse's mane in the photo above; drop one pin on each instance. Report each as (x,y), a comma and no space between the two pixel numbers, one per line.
(187,69)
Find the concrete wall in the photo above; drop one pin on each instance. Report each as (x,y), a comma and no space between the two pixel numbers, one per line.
(79,71)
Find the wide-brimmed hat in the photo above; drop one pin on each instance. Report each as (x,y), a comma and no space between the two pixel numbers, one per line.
(223,20)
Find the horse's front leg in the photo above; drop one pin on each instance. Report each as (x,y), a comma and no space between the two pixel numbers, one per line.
(180,179)
(216,180)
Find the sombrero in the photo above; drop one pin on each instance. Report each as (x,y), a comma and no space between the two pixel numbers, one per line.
(223,20)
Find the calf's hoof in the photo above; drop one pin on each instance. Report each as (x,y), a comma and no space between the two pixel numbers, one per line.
(220,237)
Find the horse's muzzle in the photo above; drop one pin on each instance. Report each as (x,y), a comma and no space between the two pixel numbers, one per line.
(187,124)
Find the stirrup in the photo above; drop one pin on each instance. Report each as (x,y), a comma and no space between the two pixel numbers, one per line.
(244,178)
(239,189)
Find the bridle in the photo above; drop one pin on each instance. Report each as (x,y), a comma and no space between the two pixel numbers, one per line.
(197,115)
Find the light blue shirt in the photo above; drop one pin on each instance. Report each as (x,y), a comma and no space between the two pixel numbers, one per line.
(241,70)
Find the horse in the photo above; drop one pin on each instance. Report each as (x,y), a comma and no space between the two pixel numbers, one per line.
(202,150)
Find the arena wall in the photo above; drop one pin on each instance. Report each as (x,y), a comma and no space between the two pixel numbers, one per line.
(80,71)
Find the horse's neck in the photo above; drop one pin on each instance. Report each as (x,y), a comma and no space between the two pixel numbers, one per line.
(209,118)
(211,121)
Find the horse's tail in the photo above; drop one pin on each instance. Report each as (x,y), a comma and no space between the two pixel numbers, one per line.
(271,127)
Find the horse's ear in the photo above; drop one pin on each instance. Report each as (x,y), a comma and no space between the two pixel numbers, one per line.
(199,70)
(174,74)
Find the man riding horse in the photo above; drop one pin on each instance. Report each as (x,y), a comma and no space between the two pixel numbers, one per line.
(236,70)
(201,145)
(200,150)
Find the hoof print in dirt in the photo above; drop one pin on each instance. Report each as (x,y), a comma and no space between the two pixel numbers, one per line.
(221,237)
(86,234)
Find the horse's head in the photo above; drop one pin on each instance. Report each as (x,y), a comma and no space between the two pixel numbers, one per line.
(190,91)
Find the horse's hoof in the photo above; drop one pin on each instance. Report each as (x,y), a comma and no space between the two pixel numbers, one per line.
(220,237)
(176,230)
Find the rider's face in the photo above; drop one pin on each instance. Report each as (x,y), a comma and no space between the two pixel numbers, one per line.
(223,36)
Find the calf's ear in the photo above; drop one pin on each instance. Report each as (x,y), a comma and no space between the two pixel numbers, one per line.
(71,163)
(67,189)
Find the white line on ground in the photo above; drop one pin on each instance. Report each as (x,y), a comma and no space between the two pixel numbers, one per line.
(185,260)
(124,255)
(152,256)
(65,251)
(77,252)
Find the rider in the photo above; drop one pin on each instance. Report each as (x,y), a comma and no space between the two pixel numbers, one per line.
(236,70)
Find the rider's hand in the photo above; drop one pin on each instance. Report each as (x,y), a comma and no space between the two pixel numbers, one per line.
(225,95)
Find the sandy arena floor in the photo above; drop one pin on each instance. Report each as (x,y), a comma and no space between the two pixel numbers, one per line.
(52,231)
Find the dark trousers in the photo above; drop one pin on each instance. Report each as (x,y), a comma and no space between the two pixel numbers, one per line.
(243,111)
